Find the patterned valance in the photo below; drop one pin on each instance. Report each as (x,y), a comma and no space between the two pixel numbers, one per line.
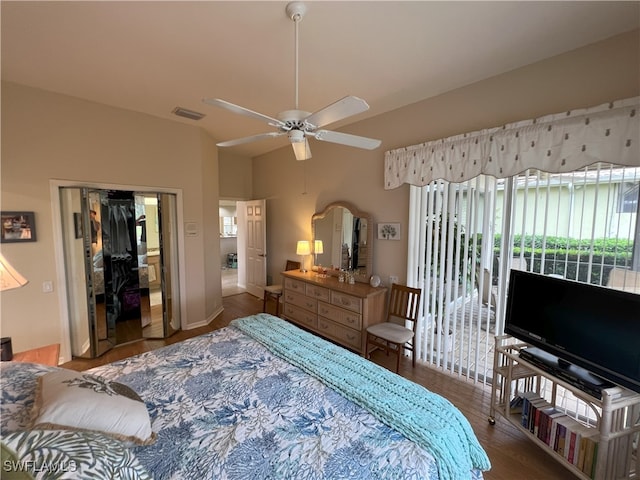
(556,143)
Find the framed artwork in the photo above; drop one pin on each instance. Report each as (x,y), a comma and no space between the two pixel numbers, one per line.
(388,231)
(18,227)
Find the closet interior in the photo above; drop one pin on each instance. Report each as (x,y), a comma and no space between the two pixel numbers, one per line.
(121,255)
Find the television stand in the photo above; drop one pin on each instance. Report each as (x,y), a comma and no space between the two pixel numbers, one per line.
(528,393)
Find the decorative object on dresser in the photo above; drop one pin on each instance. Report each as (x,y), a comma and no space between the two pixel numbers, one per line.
(347,240)
(303,249)
(336,310)
(393,335)
(275,291)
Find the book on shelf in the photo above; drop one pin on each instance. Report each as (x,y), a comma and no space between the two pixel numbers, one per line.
(552,425)
(564,426)
(531,405)
(586,447)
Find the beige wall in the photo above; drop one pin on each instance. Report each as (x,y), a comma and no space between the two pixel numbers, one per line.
(235,176)
(47,136)
(585,77)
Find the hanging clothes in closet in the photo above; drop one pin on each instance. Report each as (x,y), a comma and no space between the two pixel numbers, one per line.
(122,286)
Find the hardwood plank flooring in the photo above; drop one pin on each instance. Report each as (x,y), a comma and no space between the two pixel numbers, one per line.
(512,454)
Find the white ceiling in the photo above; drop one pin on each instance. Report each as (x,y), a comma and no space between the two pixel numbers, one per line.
(152,56)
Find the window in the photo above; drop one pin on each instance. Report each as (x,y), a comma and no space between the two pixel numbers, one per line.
(628,197)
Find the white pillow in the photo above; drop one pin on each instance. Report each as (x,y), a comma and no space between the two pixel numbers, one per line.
(71,400)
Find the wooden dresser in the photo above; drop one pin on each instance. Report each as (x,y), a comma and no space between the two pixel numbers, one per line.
(339,311)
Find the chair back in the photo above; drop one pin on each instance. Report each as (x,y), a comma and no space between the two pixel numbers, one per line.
(292,265)
(404,305)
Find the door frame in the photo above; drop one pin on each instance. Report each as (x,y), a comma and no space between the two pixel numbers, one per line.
(58,247)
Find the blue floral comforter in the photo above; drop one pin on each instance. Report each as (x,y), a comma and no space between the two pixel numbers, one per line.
(225,407)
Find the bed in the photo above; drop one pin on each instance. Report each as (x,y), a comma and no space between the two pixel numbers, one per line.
(259,399)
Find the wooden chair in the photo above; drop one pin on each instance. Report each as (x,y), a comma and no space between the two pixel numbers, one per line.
(393,335)
(275,291)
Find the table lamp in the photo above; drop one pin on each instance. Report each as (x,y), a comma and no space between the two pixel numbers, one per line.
(303,249)
(9,279)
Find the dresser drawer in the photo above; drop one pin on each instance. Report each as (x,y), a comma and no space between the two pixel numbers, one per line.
(346,301)
(301,300)
(294,285)
(301,316)
(346,336)
(317,292)
(340,315)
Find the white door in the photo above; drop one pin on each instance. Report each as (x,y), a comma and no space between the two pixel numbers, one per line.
(252,261)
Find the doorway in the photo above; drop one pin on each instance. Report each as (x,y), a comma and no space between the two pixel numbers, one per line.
(120,255)
(228,219)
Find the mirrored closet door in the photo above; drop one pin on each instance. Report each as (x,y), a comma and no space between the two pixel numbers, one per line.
(120,254)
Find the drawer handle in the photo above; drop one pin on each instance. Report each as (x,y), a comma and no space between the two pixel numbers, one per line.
(310,305)
(351,337)
(351,320)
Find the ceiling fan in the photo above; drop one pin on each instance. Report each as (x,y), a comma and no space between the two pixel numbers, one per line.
(298,124)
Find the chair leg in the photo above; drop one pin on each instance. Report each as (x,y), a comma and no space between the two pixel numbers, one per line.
(398,353)
(264,302)
(277,305)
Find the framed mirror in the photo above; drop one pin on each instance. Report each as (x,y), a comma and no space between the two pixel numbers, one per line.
(343,240)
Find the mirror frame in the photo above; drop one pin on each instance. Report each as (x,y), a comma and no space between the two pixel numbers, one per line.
(361,275)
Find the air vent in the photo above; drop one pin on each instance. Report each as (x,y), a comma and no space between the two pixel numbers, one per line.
(183,112)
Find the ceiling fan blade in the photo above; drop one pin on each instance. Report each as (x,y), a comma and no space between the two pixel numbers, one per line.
(346,139)
(252,138)
(343,108)
(216,102)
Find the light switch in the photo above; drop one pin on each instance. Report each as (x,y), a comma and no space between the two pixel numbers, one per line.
(47,286)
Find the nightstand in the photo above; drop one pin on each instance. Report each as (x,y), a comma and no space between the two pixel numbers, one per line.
(48,355)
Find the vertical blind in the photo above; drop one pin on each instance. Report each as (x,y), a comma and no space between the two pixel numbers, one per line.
(464,238)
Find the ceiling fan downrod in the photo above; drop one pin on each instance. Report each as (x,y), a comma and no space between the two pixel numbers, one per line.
(295,11)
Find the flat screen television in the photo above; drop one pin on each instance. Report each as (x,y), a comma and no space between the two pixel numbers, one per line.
(596,328)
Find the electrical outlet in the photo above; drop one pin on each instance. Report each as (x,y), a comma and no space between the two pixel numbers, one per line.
(47,286)
(393,279)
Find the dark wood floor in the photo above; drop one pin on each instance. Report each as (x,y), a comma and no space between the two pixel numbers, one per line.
(512,455)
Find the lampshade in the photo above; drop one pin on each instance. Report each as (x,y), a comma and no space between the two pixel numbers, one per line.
(303,248)
(301,150)
(9,278)
(317,247)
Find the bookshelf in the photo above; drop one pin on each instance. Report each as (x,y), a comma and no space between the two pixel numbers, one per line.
(605,442)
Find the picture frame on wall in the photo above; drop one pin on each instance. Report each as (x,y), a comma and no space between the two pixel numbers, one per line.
(18,227)
(388,231)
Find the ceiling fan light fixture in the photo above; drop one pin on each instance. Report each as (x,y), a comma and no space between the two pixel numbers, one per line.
(301,150)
